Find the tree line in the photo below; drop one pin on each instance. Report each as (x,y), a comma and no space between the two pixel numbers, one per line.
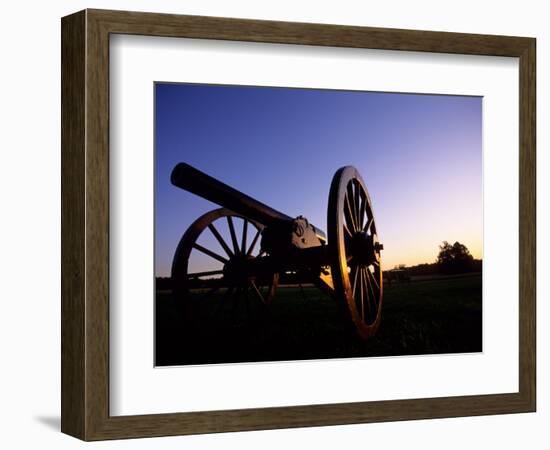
(451,259)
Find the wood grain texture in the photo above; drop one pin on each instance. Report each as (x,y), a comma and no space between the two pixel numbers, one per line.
(152,24)
(85,224)
(73,224)
(527,224)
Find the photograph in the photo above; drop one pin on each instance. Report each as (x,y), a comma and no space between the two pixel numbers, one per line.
(305,224)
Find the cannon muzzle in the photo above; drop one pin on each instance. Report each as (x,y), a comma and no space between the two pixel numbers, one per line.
(190,179)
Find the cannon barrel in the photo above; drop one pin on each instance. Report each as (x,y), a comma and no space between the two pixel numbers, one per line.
(193,180)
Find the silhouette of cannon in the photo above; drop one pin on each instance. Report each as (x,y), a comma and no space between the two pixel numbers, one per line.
(255,244)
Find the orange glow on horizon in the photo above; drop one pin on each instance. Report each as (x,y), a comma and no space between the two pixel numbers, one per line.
(411,254)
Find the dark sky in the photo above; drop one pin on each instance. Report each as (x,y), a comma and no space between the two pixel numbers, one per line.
(420,157)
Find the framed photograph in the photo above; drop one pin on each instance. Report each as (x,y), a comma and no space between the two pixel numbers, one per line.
(272,224)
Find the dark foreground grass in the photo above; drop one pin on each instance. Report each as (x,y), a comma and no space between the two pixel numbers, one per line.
(423,317)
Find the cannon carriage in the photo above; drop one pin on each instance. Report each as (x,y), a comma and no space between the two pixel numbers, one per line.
(345,262)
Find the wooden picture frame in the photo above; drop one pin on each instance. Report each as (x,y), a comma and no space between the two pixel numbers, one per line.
(85,224)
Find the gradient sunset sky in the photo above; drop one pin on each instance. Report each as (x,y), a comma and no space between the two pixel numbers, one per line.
(420,157)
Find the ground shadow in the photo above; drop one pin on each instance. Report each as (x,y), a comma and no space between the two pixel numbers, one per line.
(52,422)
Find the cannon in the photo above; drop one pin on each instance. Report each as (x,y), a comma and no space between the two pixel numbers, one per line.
(250,258)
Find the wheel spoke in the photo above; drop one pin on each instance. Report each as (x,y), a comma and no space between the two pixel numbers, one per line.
(369,224)
(218,236)
(353,273)
(245,231)
(374,296)
(209,253)
(257,291)
(363,210)
(348,234)
(253,244)
(350,221)
(351,202)
(361,291)
(204,274)
(233,235)
(373,278)
(357,205)
(367,286)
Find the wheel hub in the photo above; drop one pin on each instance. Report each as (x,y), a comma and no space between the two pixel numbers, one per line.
(236,269)
(365,248)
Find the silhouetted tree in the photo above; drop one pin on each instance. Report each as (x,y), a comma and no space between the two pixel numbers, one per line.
(454,258)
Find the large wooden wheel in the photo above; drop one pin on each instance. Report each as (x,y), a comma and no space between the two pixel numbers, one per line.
(354,251)
(212,288)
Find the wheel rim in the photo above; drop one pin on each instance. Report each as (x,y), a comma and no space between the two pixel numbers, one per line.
(356,263)
(221,294)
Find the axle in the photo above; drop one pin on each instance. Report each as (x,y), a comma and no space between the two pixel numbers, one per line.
(313,260)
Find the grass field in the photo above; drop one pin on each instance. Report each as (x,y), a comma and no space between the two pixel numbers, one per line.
(421,317)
